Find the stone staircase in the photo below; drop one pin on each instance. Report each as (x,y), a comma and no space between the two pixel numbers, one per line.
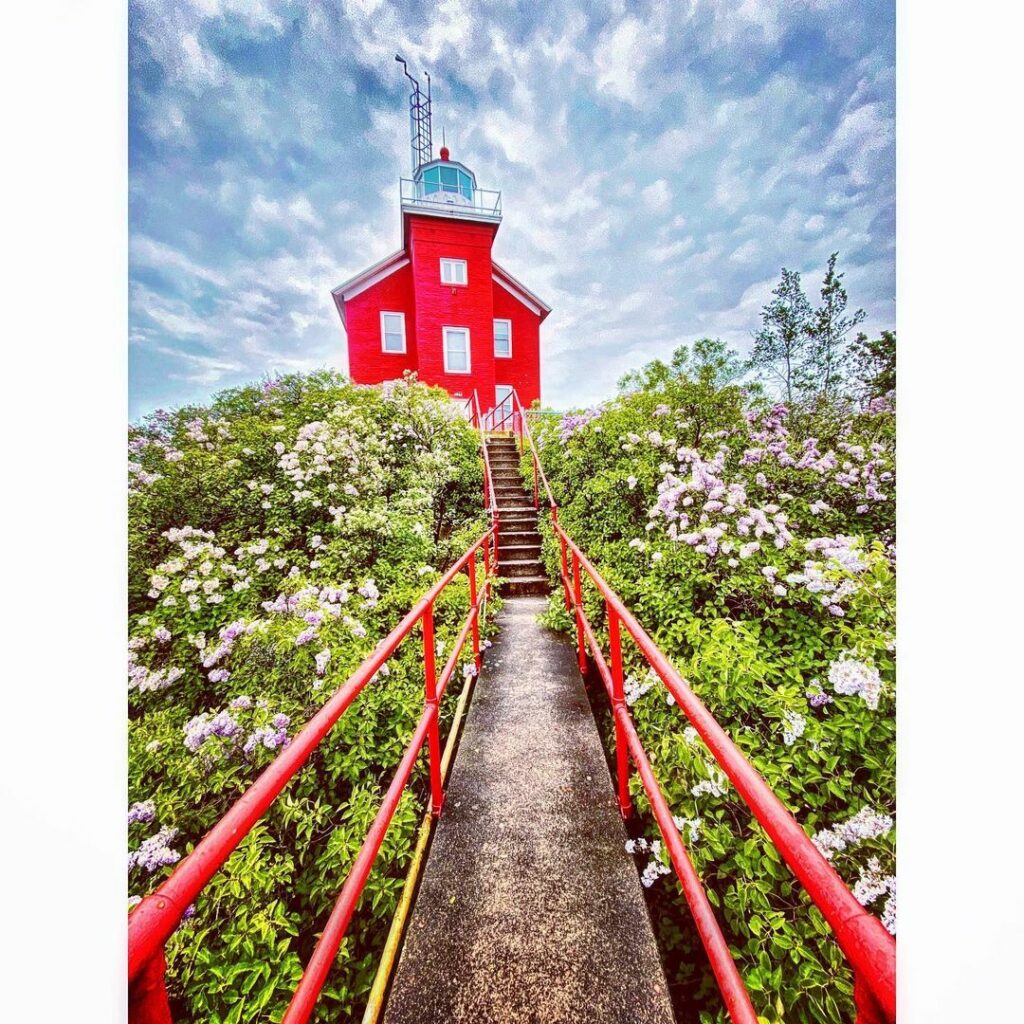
(518,540)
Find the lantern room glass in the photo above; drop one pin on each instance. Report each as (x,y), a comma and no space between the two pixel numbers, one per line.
(442,178)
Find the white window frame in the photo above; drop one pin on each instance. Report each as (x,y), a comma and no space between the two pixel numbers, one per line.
(383,333)
(501,403)
(450,263)
(508,354)
(444,350)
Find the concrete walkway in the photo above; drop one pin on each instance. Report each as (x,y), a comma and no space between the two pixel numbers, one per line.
(530,910)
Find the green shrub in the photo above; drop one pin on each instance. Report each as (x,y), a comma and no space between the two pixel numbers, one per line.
(755,544)
(274,538)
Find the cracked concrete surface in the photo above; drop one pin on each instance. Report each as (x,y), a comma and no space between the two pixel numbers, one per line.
(529,910)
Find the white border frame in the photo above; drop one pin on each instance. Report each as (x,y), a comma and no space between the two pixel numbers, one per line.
(497,354)
(454,284)
(469,350)
(391,351)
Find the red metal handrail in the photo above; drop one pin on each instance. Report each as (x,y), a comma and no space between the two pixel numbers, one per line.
(153,921)
(490,499)
(868,947)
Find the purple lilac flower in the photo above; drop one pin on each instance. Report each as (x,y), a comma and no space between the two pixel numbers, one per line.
(144,810)
(305,636)
(155,852)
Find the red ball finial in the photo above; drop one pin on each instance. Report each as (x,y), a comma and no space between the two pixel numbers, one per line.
(444,152)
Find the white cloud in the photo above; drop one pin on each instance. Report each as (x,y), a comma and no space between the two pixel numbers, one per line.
(657,196)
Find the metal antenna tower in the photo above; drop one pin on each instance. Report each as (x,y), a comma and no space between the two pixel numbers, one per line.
(419,119)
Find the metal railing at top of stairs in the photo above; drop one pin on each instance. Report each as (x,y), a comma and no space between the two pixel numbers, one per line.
(154,920)
(490,499)
(868,947)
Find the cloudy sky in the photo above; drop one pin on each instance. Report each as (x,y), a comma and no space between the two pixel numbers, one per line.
(659,163)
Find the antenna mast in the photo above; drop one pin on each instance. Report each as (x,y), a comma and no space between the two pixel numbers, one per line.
(419,119)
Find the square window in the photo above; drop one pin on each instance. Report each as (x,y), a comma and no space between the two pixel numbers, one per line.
(456,349)
(503,339)
(453,272)
(392,332)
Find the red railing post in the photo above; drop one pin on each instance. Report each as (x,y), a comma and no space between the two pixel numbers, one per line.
(868,1009)
(147,995)
(433,731)
(565,572)
(536,481)
(577,591)
(487,562)
(619,702)
(471,569)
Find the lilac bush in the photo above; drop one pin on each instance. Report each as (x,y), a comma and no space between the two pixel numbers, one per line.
(755,541)
(275,537)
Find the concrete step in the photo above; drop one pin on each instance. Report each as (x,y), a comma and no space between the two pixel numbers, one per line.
(530,911)
(515,549)
(519,552)
(522,541)
(518,567)
(525,587)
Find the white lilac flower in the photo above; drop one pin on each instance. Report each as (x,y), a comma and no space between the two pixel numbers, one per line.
(867,823)
(322,659)
(691,824)
(631,480)
(889,910)
(715,785)
(851,677)
(794,727)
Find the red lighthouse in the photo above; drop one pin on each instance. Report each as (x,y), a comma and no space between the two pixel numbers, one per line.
(440,305)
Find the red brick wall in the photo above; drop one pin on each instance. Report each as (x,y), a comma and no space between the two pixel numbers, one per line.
(522,371)
(367,363)
(416,290)
(438,305)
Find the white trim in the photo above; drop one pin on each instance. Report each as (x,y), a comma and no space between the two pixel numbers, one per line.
(453,262)
(515,293)
(392,351)
(508,354)
(444,350)
(516,287)
(368,278)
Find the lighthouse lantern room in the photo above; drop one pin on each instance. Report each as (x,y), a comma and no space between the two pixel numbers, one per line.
(440,306)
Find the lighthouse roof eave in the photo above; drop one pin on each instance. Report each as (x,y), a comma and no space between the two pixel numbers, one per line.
(367,278)
(519,290)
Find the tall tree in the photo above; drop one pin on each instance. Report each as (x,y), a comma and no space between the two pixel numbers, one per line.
(874,364)
(827,356)
(702,385)
(780,344)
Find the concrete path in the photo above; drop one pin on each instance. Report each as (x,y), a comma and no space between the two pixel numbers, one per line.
(530,911)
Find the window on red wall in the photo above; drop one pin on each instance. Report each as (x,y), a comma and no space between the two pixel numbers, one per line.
(503,339)
(392,332)
(456,350)
(454,272)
